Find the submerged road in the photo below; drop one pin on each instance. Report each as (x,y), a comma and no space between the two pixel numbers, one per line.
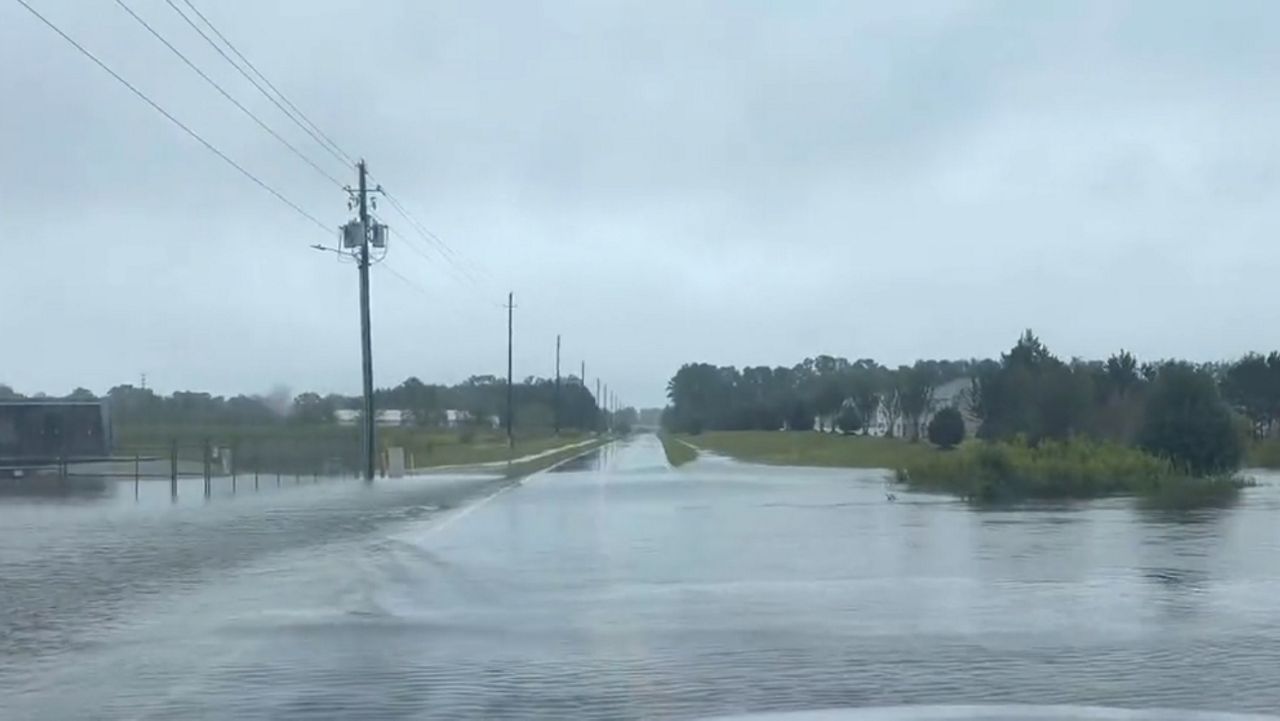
(617,587)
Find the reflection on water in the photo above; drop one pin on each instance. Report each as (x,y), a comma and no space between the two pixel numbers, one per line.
(618,587)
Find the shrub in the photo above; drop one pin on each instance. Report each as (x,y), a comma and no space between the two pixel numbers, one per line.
(946,428)
(849,421)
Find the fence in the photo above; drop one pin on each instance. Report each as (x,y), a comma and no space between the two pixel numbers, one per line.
(255,461)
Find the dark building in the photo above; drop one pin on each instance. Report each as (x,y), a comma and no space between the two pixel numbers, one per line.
(37,432)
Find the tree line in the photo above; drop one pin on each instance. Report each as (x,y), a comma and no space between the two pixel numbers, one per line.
(478,401)
(1195,413)
(827,391)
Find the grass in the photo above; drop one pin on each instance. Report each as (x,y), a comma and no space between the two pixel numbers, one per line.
(994,472)
(1263,454)
(290,447)
(989,472)
(524,468)
(814,449)
(678,453)
(429,450)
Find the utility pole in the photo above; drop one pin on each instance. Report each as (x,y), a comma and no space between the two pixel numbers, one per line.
(511,439)
(608,421)
(557,408)
(582,375)
(599,408)
(356,238)
(366,334)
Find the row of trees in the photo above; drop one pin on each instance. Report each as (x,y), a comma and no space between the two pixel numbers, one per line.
(832,390)
(479,401)
(1189,412)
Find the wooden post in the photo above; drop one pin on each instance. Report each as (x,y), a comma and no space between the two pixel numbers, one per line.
(208,469)
(173,469)
(137,463)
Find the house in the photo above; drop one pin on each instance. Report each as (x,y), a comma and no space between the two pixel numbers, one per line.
(888,420)
(456,419)
(389,417)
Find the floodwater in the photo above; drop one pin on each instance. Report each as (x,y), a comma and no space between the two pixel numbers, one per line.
(616,587)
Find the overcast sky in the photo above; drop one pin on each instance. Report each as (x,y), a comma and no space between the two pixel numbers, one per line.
(739,183)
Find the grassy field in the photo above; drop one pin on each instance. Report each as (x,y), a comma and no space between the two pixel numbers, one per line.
(1263,454)
(678,453)
(294,447)
(813,449)
(524,468)
(430,450)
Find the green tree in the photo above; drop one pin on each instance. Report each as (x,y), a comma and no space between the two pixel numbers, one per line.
(946,428)
(1186,421)
(915,393)
(1122,372)
(312,409)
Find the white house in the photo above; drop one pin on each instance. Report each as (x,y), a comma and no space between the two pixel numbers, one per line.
(385,417)
(889,420)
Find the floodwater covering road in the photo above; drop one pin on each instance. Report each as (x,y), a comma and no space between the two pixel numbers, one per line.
(617,587)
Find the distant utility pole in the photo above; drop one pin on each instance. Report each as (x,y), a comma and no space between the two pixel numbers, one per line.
(357,236)
(608,422)
(557,408)
(582,375)
(511,439)
(599,416)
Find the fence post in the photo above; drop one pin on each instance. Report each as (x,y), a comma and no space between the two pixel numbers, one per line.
(173,469)
(137,464)
(257,462)
(208,469)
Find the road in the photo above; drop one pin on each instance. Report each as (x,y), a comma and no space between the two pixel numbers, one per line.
(617,587)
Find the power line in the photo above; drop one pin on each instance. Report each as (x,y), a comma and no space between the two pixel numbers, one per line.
(227,95)
(446,252)
(141,95)
(412,284)
(269,84)
(255,83)
(422,254)
(311,128)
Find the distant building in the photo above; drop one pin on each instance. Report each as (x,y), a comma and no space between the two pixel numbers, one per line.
(389,417)
(956,393)
(454,418)
(41,432)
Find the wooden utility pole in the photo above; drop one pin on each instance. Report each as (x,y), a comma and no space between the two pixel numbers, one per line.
(511,439)
(366,334)
(557,402)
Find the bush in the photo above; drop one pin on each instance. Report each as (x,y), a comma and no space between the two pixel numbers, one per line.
(849,421)
(1187,422)
(1068,469)
(946,428)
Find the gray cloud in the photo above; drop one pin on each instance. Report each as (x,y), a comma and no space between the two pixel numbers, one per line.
(733,182)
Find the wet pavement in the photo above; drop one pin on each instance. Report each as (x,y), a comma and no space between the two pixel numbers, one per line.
(617,587)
